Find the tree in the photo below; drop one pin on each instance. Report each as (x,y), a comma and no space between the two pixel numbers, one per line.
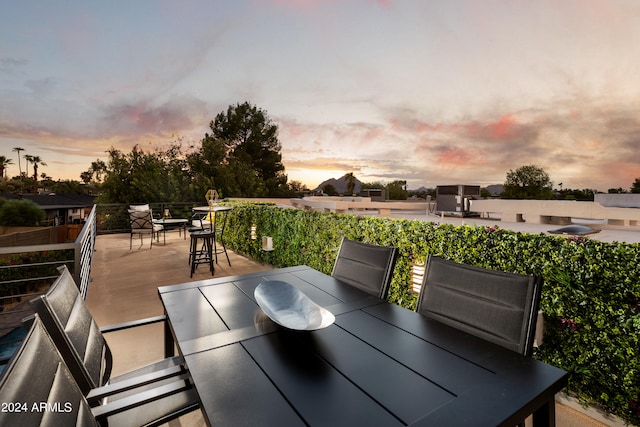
(239,158)
(18,150)
(618,190)
(528,182)
(351,183)
(28,158)
(297,187)
(86,177)
(372,185)
(36,160)
(19,213)
(97,169)
(4,162)
(147,177)
(396,190)
(329,190)
(635,187)
(246,141)
(66,187)
(585,194)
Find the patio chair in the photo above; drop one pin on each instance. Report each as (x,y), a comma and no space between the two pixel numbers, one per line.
(42,389)
(144,207)
(366,267)
(81,343)
(142,223)
(496,306)
(199,222)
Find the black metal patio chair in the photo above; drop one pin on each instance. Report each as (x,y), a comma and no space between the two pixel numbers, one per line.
(42,391)
(366,267)
(496,306)
(81,343)
(141,223)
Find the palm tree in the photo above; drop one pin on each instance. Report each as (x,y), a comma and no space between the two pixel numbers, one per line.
(4,162)
(351,183)
(36,160)
(18,150)
(28,158)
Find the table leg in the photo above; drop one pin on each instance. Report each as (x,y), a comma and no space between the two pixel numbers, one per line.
(169,343)
(545,416)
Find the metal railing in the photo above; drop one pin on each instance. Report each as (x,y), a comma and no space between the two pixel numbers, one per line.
(114,217)
(24,279)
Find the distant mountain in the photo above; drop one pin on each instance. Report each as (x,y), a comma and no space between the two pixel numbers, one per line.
(495,189)
(422,189)
(340,185)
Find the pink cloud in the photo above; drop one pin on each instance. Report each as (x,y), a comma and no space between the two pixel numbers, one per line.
(453,156)
(139,118)
(504,128)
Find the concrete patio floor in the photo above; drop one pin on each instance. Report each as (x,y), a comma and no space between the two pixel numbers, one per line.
(124,287)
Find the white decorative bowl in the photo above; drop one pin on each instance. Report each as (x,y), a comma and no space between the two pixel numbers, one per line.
(289,307)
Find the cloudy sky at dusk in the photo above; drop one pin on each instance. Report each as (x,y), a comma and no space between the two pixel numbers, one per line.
(432,92)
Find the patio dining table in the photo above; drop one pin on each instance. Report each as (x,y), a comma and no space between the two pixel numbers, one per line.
(378,364)
(172,223)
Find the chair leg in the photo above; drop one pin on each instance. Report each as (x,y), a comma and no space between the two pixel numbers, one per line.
(201,255)
(210,252)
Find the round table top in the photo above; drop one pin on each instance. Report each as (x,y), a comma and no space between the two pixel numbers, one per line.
(215,208)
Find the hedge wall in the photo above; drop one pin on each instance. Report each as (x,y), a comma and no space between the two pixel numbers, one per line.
(590,297)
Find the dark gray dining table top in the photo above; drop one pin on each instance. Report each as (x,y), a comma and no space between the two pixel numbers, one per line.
(378,364)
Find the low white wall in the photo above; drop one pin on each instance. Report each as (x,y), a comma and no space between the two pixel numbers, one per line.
(549,211)
(628,200)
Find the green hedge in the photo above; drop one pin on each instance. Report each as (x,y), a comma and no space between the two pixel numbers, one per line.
(591,295)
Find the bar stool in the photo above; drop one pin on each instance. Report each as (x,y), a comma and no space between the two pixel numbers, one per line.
(201,249)
(196,224)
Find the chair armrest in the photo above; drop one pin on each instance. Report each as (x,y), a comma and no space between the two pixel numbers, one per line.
(100,393)
(133,324)
(139,399)
(28,321)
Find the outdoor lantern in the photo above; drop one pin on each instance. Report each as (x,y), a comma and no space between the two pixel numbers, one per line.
(417,275)
(267,243)
(212,197)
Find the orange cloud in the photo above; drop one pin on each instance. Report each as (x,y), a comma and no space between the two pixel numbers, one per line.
(452,156)
(506,127)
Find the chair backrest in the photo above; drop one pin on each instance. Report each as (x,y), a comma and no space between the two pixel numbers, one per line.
(141,220)
(220,221)
(202,220)
(493,305)
(144,207)
(364,266)
(68,321)
(41,388)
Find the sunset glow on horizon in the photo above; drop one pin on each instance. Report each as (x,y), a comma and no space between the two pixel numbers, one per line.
(428,92)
